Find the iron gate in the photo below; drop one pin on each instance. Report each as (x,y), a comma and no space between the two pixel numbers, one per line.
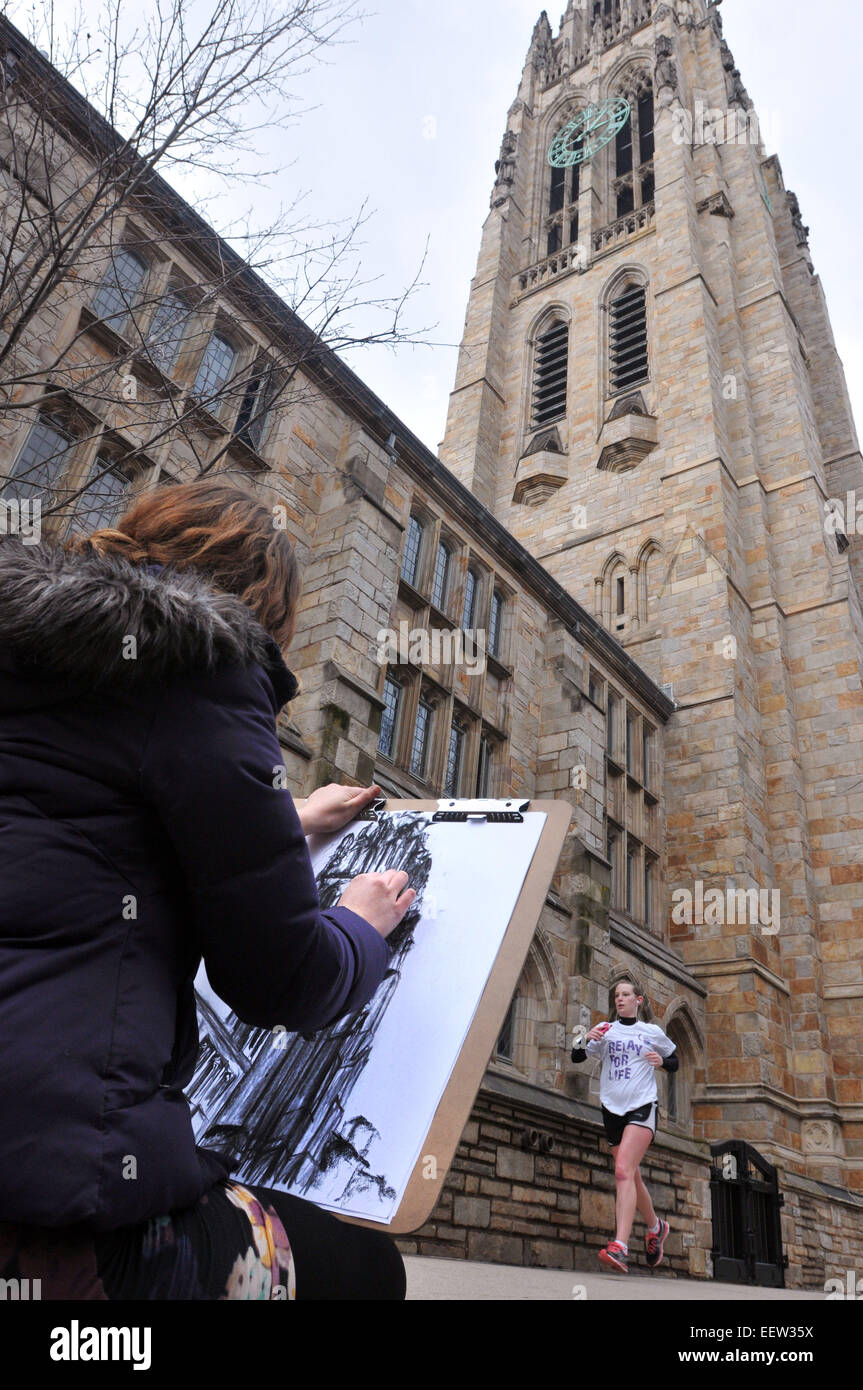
(745,1201)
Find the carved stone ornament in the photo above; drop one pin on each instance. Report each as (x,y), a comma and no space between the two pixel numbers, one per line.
(821,1137)
(801,233)
(737,93)
(504,165)
(665,77)
(542,468)
(717,204)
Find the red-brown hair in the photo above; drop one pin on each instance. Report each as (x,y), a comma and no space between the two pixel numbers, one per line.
(221,531)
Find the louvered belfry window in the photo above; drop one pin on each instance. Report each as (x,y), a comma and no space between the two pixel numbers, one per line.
(628,339)
(549,375)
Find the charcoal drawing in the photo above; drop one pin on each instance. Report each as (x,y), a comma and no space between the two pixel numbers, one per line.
(280,1103)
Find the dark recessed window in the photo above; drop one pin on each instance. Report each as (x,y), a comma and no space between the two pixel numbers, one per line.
(611,724)
(631,858)
(506,1037)
(549,375)
(252,416)
(484,767)
(628,338)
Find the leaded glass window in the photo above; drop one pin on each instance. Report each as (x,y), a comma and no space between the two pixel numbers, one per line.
(100,502)
(410,559)
(469,599)
(392,697)
(495,623)
(120,289)
(454,759)
(419,751)
(441,575)
(166,331)
(41,461)
(215,369)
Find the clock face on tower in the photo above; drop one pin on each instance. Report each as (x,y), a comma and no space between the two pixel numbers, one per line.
(588,131)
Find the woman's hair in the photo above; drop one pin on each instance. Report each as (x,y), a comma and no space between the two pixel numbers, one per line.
(645,1013)
(219,530)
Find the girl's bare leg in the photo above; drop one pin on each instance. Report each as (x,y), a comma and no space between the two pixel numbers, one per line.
(627,1156)
(643,1202)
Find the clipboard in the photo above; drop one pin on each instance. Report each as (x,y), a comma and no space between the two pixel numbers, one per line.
(456,1103)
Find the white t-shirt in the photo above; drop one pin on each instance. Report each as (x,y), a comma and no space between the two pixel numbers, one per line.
(628,1080)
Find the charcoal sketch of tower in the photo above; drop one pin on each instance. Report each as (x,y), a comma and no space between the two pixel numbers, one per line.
(277,1101)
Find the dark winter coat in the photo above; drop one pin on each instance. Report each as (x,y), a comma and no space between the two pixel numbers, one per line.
(142,826)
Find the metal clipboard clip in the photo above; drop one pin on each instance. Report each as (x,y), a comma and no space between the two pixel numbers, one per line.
(374,810)
(496,812)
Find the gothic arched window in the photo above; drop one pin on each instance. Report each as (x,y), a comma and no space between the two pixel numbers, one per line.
(561,223)
(633,177)
(551,352)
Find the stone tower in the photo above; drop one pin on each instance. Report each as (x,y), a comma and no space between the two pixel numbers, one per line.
(649,398)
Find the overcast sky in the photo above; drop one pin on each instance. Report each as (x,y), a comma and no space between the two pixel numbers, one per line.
(459,62)
(408,117)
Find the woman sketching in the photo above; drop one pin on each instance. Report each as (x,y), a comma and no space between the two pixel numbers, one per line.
(144,825)
(631,1048)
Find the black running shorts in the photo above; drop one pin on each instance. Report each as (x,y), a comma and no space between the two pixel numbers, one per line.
(645,1116)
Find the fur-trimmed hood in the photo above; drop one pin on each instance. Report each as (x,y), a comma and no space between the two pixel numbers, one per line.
(69,618)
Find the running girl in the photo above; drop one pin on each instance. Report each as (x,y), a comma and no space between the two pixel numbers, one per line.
(631,1049)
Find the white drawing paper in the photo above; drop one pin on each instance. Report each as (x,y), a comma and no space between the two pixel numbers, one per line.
(339,1116)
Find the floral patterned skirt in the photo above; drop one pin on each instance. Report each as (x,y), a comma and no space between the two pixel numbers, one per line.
(230,1245)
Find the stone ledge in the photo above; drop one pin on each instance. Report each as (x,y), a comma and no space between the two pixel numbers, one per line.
(747,966)
(334,672)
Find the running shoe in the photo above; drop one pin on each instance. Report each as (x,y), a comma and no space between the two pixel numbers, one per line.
(655,1243)
(614,1256)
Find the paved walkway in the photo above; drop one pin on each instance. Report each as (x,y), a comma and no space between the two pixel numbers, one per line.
(467,1280)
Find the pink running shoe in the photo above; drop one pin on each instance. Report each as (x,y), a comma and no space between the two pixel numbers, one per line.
(614,1256)
(655,1243)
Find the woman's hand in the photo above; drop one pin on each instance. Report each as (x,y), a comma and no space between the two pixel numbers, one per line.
(383,899)
(332,806)
(653,1058)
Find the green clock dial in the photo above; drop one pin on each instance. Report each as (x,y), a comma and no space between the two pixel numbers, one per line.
(587,132)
